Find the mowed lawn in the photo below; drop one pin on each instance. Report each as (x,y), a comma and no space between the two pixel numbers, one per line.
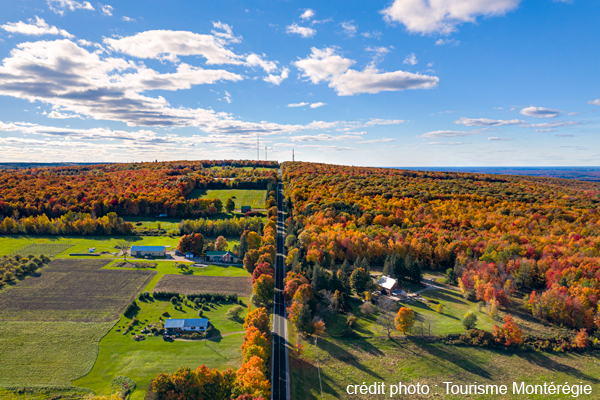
(48,353)
(242,197)
(142,361)
(346,362)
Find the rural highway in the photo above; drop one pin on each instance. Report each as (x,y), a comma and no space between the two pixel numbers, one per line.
(280,375)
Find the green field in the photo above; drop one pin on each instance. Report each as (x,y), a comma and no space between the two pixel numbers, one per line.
(142,361)
(48,353)
(253,198)
(346,362)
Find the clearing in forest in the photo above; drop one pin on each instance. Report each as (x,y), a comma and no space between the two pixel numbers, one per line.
(72,290)
(182,284)
(242,197)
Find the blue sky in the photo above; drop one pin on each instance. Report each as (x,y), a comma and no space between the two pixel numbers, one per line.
(402,83)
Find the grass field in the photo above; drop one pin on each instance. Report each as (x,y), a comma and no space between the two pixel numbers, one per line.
(72,290)
(253,198)
(242,286)
(168,268)
(47,353)
(354,361)
(142,361)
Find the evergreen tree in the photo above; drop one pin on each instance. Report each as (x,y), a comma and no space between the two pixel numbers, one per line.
(344,280)
(414,272)
(387,266)
(316,280)
(243,245)
(346,268)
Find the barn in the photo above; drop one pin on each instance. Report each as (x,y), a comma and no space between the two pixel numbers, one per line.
(151,251)
(221,256)
(186,325)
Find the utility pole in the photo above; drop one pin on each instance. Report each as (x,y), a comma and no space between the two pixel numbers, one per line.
(293,159)
(265,153)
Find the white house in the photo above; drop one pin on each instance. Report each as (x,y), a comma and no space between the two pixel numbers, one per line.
(187,324)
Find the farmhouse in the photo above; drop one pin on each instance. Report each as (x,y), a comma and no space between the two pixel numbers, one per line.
(188,324)
(153,251)
(387,284)
(221,256)
(245,209)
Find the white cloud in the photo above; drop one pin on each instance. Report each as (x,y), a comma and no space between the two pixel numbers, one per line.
(227,97)
(227,33)
(106,9)
(372,35)
(594,102)
(349,28)
(443,16)
(497,139)
(317,105)
(487,122)
(382,140)
(107,88)
(443,134)
(277,79)
(307,14)
(326,65)
(540,112)
(303,31)
(441,42)
(559,124)
(127,19)
(256,60)
(167,45)
(298,104)
(379,53)
(378,121)
(411,59)
(60,6)
(37,28)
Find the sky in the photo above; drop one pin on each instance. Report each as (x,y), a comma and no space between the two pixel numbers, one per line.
(403,83)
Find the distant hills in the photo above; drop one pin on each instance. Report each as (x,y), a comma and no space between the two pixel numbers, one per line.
(591,174)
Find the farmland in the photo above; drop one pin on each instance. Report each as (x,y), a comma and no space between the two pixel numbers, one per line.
(204,284)
(48,353)
(72,290)
(141,361)
(253,198)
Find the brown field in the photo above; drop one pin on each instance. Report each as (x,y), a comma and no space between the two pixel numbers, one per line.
(72,290)
(242,286)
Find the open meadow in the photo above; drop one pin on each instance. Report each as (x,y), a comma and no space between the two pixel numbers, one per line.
(242,286)
(254,198)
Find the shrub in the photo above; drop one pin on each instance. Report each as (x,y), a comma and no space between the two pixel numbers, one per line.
(234,312)
(439,309)
(351,321)
(367,308)
(122,385)
(166,314)
(131,309)
(469,321)
(174,300)
(200,313)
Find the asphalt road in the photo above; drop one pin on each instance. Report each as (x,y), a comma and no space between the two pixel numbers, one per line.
(280,370)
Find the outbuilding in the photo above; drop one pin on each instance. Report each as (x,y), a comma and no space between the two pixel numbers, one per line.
(245,209)
(152,251)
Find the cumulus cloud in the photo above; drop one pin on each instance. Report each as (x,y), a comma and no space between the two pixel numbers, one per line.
(225,31)
(127,19)
(298,104)
(411,59)
(303,31)
(540,112)
(326,65)
(487,122)
(349,28)
(277,79)
(318,104)
(60,6)
(443,16)
(594,102)
(62,74)
(34,28)
(167,45)
(441,42)
(106,9)
(307,14)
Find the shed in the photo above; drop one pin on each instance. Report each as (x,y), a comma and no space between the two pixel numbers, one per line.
(245,209)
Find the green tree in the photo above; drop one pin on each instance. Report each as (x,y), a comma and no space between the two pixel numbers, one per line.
(469,321)
(359,280)
(230,205)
